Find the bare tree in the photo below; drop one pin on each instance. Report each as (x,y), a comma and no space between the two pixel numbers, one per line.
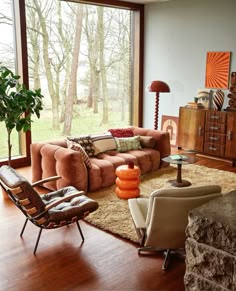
(47,64)
(72,89)
(65,41)
(33,30)
(91,32)
(107,42)
(100,11)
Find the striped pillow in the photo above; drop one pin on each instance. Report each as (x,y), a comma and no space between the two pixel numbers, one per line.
(103,142)
(77,147)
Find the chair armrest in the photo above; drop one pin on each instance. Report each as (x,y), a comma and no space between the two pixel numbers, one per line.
(41,182)
(66,198)
(136,213)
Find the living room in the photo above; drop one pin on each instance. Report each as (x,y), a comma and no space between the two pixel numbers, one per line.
(178,34)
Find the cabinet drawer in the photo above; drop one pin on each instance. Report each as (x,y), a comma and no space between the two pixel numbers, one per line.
(215,127)
(214,149)
(214,138)
(216,116)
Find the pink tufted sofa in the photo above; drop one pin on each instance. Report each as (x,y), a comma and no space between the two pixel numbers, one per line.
(54,158)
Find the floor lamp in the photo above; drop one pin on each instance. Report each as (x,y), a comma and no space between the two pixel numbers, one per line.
(158,87)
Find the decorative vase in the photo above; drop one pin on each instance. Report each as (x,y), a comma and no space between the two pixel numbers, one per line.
(128,181)
(218,99)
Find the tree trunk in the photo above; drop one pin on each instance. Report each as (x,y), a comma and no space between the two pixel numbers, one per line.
(47,64)
(9,146)
(33,33)
(91,32)
(66,43)
(102,64)
(73,76)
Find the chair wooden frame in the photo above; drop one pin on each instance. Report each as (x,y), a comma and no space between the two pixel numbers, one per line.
(39,220)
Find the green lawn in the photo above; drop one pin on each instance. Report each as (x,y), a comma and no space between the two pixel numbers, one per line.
(83,123)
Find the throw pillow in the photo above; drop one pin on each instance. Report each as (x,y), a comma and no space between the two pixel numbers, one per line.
(128,143)
(147,142)
(103,142)
(77,147)
(121,132)
(86,142)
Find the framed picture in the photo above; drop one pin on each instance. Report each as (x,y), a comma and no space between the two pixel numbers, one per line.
(217,70)
(170,124)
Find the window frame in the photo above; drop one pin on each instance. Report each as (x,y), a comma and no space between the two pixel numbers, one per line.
(22,64)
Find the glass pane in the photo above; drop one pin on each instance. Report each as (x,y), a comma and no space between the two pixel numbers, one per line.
(7,58)
(80,56)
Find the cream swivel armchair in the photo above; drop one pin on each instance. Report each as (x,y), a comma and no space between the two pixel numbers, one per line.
(160,220)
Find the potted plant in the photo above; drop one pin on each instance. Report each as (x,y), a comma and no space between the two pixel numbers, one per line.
(17,104)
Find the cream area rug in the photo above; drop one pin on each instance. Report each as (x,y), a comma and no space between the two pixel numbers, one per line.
(113,213)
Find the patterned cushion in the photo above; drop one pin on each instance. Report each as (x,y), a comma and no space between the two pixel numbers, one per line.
(103,142)
(147,142)
(121,132)
(86,142)
(77,147)
(128,143)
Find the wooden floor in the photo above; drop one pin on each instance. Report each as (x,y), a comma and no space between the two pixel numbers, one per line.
(103,262)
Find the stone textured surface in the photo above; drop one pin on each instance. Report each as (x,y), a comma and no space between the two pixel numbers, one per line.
(214,223)
(211,246)
(196,283)
(212,264)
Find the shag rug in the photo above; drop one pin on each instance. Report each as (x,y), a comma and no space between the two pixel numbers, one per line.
(113,214)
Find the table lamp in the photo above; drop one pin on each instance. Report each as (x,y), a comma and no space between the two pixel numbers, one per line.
(158,87)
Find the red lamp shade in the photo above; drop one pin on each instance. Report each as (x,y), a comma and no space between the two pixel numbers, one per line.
(158,87)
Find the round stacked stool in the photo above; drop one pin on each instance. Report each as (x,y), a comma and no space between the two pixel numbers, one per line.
(127,181)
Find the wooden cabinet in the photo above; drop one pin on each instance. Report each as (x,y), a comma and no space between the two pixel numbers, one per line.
(191,129)
(208,132)
(230,143)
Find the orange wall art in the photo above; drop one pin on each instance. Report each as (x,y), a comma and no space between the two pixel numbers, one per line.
(217,70)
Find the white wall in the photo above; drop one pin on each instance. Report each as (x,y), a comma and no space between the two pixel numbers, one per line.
(178,34)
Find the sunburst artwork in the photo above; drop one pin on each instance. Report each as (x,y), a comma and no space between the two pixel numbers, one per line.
(217,70)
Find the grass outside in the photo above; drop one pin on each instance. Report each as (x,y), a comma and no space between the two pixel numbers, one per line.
(84,122)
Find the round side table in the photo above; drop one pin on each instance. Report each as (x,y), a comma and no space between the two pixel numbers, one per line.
(128,181)
(179,182)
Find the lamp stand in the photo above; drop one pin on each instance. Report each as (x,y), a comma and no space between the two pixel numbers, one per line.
(156,111)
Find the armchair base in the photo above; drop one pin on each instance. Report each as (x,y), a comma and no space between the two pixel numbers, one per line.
(166,252)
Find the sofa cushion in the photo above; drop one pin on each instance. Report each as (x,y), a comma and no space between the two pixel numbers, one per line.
(102,173)
(147,142)
(103,142)
(77,147)
(128,143)
(86,142)
(121,132)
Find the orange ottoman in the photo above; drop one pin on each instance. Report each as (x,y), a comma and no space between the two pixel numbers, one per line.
(127,181)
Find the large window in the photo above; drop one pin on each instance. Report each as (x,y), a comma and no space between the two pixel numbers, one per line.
(87,59)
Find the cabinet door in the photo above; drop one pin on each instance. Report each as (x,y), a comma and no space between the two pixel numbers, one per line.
(230,145)
(191,129)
